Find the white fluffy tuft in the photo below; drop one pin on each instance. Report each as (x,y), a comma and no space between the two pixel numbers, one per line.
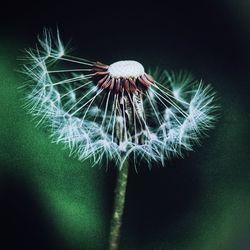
(176,111)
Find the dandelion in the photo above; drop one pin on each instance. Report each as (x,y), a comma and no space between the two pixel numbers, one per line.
(118,112)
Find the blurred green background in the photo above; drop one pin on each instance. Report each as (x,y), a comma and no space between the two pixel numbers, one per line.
(52,201)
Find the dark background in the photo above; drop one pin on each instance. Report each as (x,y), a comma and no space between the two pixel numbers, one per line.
(200,202)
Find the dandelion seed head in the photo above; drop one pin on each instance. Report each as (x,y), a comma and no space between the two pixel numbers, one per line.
(115,111)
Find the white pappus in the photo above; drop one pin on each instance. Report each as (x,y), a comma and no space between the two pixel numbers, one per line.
(115,111)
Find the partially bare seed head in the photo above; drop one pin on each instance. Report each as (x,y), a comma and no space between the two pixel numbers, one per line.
(128,76)
(115,111)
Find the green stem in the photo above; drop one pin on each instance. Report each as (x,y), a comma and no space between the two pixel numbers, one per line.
(120,193)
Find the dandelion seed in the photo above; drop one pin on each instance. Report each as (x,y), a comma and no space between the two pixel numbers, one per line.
(119,111)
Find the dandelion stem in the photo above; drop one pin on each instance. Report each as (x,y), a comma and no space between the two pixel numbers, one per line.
(119,201)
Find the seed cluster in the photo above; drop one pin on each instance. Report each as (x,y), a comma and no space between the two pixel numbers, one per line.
(115,111)
(130,85)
